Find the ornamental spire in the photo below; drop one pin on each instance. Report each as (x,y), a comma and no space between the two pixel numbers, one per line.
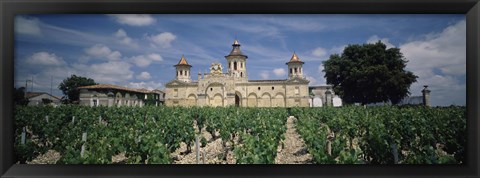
(236,49)
(295,58)
(183,61)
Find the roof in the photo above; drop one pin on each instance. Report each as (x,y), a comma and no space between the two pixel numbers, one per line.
(236,50)
(295,59)
(35,94)
(281,80)
(183,62)
(116,87)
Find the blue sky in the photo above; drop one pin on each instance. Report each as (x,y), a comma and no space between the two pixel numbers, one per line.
(139,51)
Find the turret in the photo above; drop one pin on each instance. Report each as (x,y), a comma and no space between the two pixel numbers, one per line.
(183,70)
(295,67)
(237,61)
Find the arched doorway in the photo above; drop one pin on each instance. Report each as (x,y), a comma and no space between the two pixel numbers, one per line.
(237,100)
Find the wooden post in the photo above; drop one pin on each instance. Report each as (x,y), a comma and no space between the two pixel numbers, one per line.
(203,157)
(197,150)
(46,118)
(23,137)
(395,153)
(84,140)
(84,137)
(73,120)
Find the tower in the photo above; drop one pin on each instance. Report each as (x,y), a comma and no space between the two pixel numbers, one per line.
(295,67)
(183,70)
(237,61)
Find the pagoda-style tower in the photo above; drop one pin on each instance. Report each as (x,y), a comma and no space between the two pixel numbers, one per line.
(295,67)
(183,70)
(236,60)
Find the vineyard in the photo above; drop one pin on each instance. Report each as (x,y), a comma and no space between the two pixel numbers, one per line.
(166,135)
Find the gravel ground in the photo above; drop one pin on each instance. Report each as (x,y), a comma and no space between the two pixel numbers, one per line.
(50,157)
(212,153)
(294,150)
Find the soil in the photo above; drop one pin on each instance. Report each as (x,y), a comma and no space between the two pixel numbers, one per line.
(294,150)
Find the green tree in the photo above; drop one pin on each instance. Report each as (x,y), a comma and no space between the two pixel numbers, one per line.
(69,87)
(20,96)
(369,73)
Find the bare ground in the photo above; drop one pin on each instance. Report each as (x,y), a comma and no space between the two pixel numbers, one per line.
(294,150)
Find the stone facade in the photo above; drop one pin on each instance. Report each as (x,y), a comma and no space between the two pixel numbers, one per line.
(233,87)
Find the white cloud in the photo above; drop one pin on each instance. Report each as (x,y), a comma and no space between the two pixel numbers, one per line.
(146,60)
(264,74)
(45,58)
(134,19)
(386,41)
(319,52)
(144,76)
(109,72)
(102,51)
(337,49)
(26,25)
(123,38)
(320,69)
(163,39)
(443,52)
(279,72)
(146,85)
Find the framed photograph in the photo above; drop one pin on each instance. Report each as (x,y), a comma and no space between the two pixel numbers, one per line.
(239,89)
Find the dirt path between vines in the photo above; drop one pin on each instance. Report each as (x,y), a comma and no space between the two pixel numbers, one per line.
(294,150)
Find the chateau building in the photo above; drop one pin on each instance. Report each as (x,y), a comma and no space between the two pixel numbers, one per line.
(113,95)
(233,87)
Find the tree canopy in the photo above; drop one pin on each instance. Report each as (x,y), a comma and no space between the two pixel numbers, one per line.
(20,96)
(69,87)
(369,73)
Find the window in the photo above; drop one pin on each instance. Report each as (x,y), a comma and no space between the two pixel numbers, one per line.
(295,70)
(234,65)
(291,70)
(175,92)
(297,90)
(241,74)
(258,88)
(181,72)
(211,89)
(273,88)
(95,102)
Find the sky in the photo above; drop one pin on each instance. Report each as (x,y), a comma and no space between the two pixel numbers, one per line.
(139,50)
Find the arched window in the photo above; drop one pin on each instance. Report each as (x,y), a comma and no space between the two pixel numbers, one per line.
(295,70)
(234,65)
(181,72)
(291,70)
(241,74)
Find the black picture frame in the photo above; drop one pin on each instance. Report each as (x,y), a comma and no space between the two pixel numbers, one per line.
(9,8)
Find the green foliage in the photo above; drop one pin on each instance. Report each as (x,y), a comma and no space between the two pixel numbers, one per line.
(69,86)
(369,73)
(19,96)
(148,135)
(375,131)
(46,101)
